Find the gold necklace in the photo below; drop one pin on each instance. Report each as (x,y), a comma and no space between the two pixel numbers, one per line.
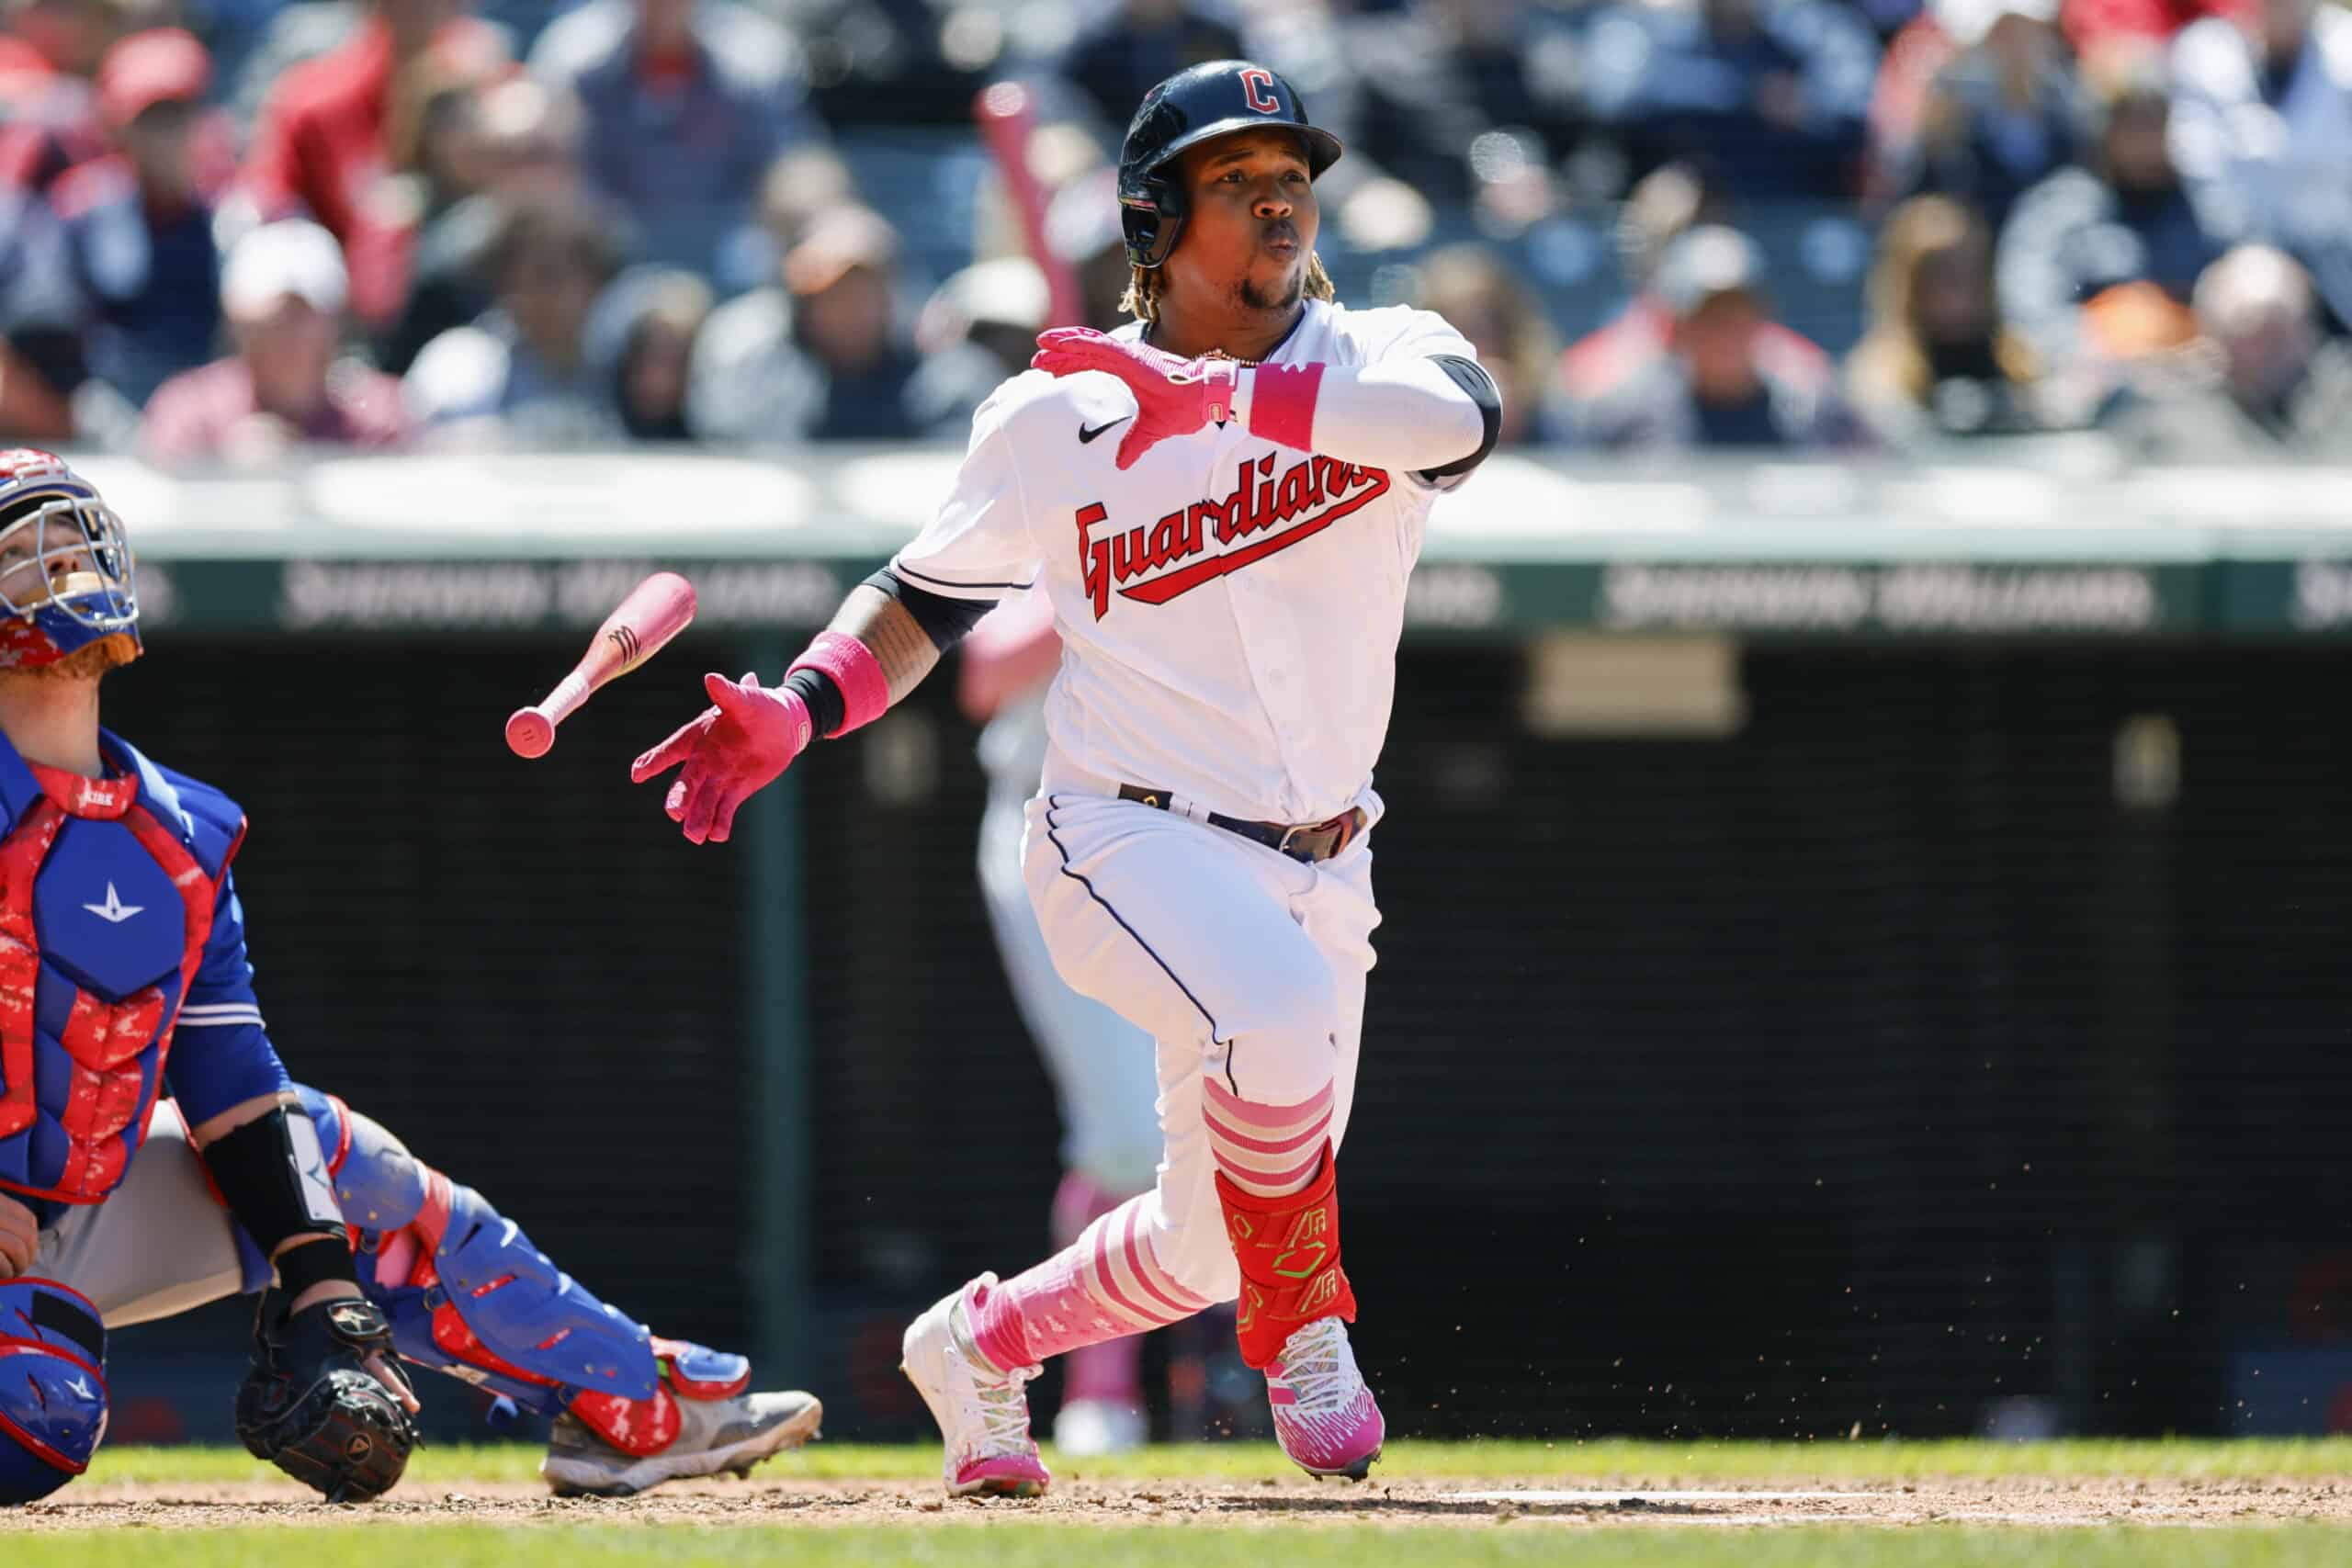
(1212,354)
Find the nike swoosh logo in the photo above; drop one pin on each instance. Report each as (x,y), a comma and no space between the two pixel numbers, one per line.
(1087,433)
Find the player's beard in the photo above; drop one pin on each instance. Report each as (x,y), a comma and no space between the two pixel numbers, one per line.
(1281,297)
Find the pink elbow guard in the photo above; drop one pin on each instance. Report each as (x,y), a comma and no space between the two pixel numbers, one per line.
(1282,403)
(850,665)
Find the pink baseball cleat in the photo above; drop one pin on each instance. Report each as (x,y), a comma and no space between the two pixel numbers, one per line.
(982,1413)
(1324,1414)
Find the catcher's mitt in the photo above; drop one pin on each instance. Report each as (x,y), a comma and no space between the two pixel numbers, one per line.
(309,1406)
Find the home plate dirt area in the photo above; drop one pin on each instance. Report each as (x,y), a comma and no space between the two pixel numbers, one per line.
(801,1501)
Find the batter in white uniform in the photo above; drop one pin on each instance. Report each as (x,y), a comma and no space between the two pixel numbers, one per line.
(1222,503)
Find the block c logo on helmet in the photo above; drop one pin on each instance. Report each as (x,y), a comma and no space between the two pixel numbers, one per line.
(1258,91)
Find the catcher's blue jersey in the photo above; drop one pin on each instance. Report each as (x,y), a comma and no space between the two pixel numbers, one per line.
(122,969)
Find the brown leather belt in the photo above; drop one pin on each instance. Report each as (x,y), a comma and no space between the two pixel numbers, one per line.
(1305,841)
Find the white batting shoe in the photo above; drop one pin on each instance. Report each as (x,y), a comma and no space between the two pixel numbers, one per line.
(1324,1414)
(983,1415)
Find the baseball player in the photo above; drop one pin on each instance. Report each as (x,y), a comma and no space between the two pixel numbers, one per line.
(1222,502)
(123,980)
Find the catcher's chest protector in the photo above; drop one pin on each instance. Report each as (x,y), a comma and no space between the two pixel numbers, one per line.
(105,906)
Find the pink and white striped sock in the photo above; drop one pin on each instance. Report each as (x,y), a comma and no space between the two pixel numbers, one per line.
(1267,1151)
(1105,1284)
(1110,1369)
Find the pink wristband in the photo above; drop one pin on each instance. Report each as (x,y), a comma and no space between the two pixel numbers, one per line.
(1282,403)
(866,691)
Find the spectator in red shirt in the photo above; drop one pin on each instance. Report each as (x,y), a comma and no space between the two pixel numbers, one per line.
(320,147)
(1663,205)
(49,111)
(283,291)
(1724,380)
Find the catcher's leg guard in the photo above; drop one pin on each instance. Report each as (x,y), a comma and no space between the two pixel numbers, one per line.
(1288,1249)
(468,1294)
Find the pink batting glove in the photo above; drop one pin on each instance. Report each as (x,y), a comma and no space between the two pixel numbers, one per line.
(1173,397)
(735,749)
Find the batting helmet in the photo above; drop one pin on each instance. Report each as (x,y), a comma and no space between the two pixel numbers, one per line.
(65,575)
(52,1387)
(1190,108)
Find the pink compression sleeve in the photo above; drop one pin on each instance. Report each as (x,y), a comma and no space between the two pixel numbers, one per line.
(1404,412)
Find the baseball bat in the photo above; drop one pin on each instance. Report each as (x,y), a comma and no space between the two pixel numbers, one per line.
(1007,113)
(655,611)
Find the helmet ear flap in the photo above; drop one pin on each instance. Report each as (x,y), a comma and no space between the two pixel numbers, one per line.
(1153,221)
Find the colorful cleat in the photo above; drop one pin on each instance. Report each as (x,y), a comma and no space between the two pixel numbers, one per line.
(1324,1413)
(983,1415)
(702,1420)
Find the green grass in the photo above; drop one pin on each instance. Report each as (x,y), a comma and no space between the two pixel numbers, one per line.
(1000,1544)
(1565,1461)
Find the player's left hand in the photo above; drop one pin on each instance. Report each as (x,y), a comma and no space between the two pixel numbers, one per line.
(737,747)
(1173,397)
(314,1403)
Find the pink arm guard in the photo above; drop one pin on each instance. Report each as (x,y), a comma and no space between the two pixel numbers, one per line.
(851,667)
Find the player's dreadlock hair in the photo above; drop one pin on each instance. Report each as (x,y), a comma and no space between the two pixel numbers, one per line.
(1142,299)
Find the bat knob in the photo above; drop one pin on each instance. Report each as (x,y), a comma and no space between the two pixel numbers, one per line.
(529,733)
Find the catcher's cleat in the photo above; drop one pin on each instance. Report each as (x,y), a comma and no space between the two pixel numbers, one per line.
(730,1434)
(982,1413)
(1324,1414)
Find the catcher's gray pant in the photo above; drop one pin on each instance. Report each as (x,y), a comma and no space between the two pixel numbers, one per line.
(161,1243)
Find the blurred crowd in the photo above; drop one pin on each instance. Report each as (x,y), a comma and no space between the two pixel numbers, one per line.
(229,227)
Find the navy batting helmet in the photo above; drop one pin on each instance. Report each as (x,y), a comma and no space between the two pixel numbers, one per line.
(1216,99)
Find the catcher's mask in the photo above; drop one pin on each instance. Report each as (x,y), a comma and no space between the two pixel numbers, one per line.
(65,568)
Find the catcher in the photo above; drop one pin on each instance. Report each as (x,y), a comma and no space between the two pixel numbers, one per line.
(123,978)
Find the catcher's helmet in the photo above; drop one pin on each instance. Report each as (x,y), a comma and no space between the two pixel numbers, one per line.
(1216,99)
(65,572)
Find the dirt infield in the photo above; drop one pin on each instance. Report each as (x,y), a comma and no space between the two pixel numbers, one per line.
(181,1506)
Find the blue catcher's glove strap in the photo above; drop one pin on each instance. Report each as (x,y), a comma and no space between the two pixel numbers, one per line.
(275,1179)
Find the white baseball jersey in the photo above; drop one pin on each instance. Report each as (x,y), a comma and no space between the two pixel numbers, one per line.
(1229,607)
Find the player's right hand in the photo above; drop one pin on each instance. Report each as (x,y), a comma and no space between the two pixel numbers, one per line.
(1173,397)
(749,735)
(19,1237)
